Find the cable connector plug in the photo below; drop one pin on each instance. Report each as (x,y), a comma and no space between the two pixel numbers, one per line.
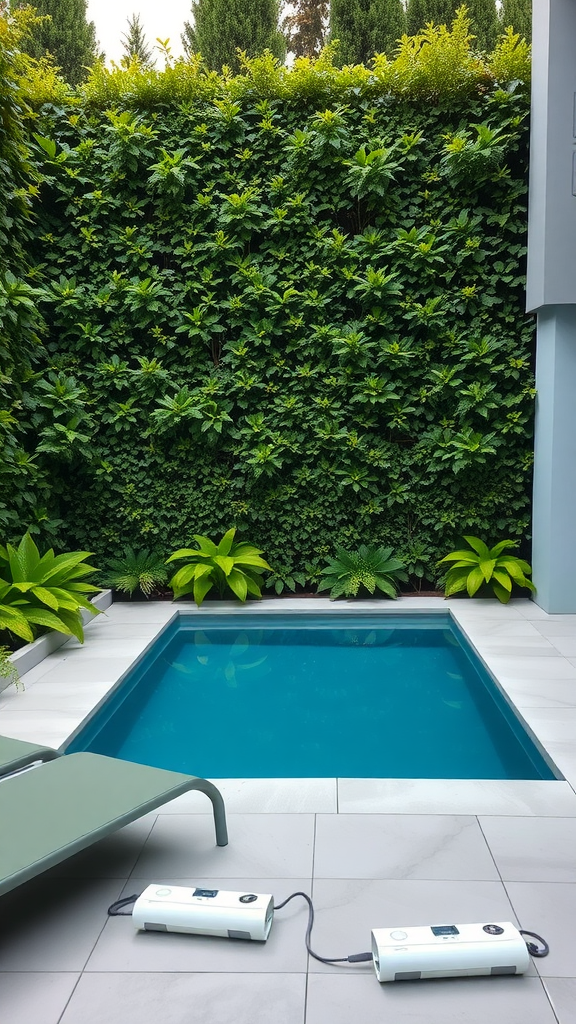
(359,958)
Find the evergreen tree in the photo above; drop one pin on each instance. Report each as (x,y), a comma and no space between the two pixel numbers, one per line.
(366,27)
(305,27)
(518,14)
(223,26)
(135,43)
(420,12)
(484,24)
(68,36)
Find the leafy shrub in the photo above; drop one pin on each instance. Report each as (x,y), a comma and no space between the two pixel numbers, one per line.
(7,669)
(43,590)
(142,570)
(484,565)
(371,568)
(278,300)
(227,566)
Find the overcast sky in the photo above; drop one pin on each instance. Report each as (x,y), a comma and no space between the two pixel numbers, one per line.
(161,18)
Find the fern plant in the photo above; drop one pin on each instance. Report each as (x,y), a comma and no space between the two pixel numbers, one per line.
(8,669)
(371,567)
(142,570)
(480,564)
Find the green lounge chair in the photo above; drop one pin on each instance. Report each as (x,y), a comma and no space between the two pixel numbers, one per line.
(56,809)
(15,754)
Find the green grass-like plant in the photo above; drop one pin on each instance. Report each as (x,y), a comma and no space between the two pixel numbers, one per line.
(7,668)
(226,566)
(43,590)
(142,570)
(371,567)
(484,565)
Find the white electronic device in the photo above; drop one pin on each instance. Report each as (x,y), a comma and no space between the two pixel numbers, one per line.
(448,951)
(175,908)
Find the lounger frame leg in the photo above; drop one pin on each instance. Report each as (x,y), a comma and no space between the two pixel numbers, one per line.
(217,806)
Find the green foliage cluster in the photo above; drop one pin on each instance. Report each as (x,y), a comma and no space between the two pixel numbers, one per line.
(366,27)
(289,301)
(229,565)
(43,590)
(478,565)
(370,568)
(142,570)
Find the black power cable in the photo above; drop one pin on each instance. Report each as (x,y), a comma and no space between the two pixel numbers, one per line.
(533,948)
(355,958)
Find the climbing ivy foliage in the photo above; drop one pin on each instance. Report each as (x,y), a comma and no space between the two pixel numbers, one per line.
(301,318)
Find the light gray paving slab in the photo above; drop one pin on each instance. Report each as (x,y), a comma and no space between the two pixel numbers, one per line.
(526,693)
(553,628)
(190,998)
(554,725)
(456,796)
(49,727)
(53,927)
(70,695)
(566,645)
(348,909)
(548,908)
(562,994)
(269,845)
(28,997)
(532,849)
(516,647)
(341,1000)
(509,628)
(555,667)
(105,669)
(121,947)
(401,846)
(283,796)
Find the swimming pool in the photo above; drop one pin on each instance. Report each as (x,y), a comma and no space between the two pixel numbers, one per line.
(313,696)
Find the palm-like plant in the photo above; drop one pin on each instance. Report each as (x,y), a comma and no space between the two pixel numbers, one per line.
(237,567)
(136,570)
(480,564)
(371,567)
(47,591)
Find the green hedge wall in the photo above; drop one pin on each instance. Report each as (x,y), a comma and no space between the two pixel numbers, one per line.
(305,322)
(286,301)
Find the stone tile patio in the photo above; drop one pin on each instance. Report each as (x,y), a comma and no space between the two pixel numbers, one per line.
(371,852)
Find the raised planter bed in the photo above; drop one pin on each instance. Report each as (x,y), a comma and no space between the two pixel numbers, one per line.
(27,657)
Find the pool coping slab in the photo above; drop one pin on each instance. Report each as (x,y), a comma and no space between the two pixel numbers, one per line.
(44,710)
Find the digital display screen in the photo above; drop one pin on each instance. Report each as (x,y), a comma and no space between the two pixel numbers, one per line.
(205,892)
(445,929)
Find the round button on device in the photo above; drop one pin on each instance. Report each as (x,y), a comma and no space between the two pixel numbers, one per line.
(248,898)
(163,892)
(399,935)
(493,929)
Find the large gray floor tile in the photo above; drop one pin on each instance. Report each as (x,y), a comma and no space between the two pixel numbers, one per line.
(401,846)
(266,845)
(122,948)
(526,693)
(52,925)
(466,1001)
(188,999)
(562,993)
(549,909)
(347,910)
(552,725)
(532,849)
(29,998)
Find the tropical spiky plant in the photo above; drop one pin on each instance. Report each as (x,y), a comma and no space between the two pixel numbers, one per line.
(371,567)
(237,567)
(142,570)
(482,564)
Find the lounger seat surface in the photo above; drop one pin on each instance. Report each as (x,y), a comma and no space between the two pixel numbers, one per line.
(53,811)
(15,754)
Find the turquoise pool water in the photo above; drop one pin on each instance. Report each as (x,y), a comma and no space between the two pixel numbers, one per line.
(290,696)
